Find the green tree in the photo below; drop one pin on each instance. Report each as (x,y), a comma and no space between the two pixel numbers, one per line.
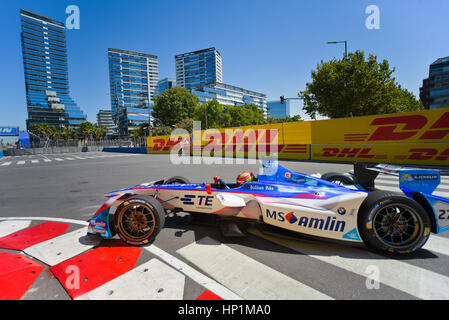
(186,124)
(355,86)
(217,114)
(99,132)
(87,129)
(174,105)
(286,119)
(69,133)
(41,129)
(246,115)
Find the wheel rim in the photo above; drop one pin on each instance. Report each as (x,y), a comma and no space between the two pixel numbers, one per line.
(137,221)
(397,225)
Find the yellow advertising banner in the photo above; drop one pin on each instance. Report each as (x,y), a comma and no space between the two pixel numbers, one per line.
(411,127)
(405,153)
(404,138)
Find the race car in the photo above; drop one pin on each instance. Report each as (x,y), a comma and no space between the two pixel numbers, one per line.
(384,221)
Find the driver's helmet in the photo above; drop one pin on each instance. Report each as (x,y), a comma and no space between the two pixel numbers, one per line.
(244,177)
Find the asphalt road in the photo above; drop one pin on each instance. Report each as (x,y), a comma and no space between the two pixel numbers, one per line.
(74,187)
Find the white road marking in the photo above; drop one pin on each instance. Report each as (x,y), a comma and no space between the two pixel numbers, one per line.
(84,223)
(20,162)
(247,277)
(6,163)
(58,159)
(153,280)
(413,280)
(8,227)
(34,161)
(63,247)
(437,244)
(193,274)
(69,158)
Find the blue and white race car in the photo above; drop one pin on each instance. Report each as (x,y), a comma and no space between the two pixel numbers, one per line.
(385,221)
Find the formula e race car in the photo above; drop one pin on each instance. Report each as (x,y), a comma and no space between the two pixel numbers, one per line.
(351,210)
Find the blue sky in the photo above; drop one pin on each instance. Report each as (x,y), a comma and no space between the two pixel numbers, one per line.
(267,46)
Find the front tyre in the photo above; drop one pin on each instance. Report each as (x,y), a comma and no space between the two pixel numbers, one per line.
(139,219)
(392,223)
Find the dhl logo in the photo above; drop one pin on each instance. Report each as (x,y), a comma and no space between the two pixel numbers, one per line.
(404,127)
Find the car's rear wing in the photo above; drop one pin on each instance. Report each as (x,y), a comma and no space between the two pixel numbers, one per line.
(410,179)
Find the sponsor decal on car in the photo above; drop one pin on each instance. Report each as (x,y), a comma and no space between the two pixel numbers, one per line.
(199,200)
(325,224)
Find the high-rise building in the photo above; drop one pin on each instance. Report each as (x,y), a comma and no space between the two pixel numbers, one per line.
(197,68)
(289,108)
(104,118)
(46,73)
(133,78)
(230,95)
(434,92)
(164,84)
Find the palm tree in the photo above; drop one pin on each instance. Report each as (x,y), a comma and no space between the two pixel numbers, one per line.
(99,131)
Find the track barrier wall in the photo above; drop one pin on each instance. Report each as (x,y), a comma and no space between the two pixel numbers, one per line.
(417,138)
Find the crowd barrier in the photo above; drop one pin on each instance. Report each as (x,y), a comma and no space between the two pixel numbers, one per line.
(142,150)
(419,138)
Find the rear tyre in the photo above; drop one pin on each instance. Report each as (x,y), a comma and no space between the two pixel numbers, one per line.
(392,223)
(338,178)
(139,219)
(176,180)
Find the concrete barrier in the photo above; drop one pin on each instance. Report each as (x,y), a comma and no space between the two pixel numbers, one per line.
(142,150)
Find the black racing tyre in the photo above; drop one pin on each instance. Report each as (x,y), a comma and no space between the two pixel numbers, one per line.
(392,223)
(139,219)
(338,178)
(176,180)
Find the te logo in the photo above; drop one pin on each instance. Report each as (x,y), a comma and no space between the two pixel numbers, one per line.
(190,199)
(73,20)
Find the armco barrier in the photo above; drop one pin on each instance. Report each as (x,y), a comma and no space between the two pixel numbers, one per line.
(420,138)
(142,150)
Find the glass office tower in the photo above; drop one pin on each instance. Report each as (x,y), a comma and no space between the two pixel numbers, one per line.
(197,68)
(133,78)
(434,93)
(230,95)
(46,73)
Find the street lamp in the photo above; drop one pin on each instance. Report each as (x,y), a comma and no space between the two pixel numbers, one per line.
(346,45)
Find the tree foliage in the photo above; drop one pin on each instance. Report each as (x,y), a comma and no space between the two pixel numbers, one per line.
(86,130)
(174,105)
(356,86)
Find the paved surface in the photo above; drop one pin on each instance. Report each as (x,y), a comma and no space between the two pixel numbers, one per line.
(48,203)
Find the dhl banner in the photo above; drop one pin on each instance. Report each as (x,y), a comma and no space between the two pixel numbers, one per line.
(232,142)
(406,153)
(411,127)
(405,138)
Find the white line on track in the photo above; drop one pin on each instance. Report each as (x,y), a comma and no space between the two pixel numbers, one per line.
(84,223)
(408,278)
(196,276)
(247,277)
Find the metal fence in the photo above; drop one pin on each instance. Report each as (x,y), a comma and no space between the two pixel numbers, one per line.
(140,142)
